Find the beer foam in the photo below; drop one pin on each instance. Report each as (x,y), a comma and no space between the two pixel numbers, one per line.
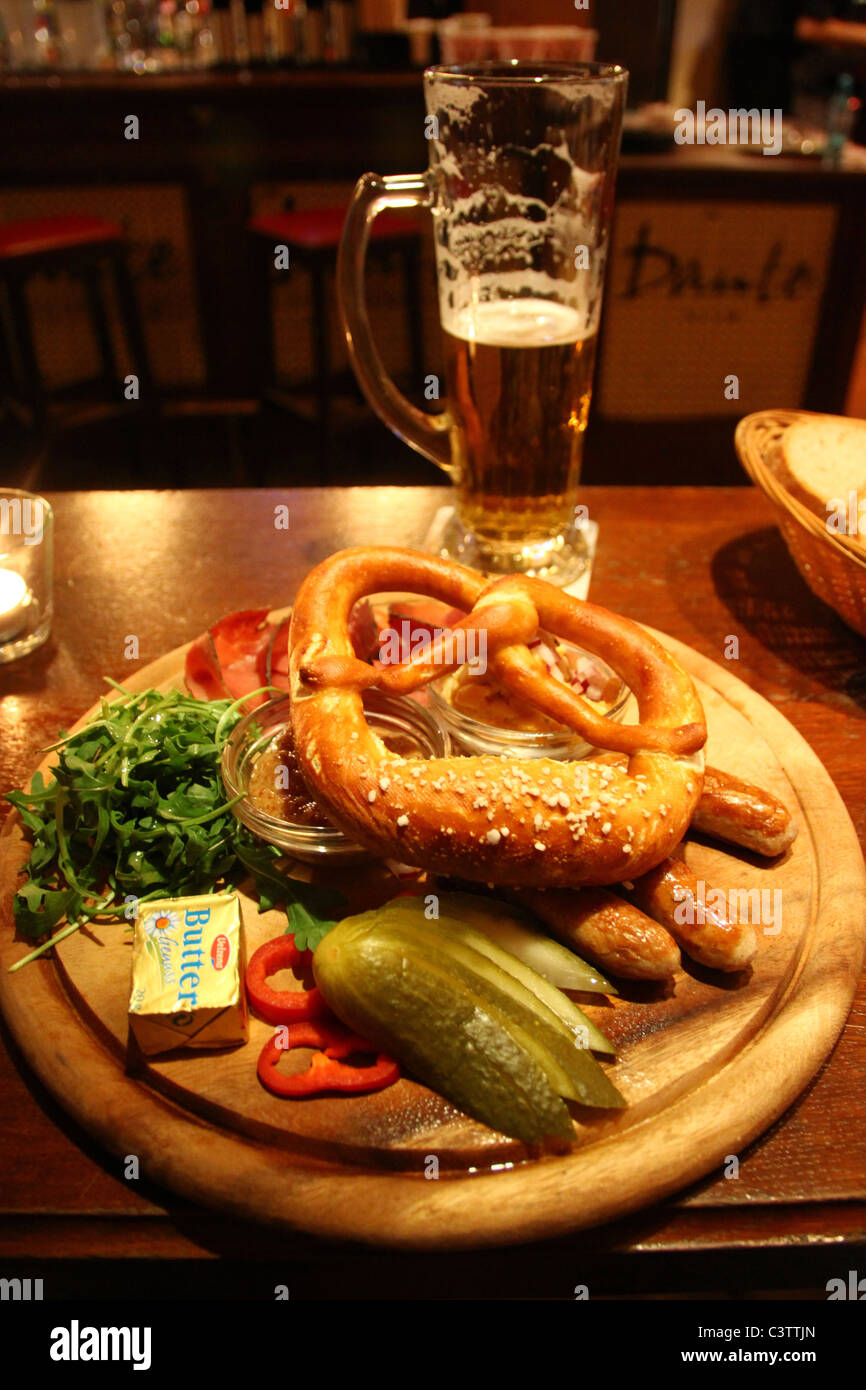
(514,201)
(524,322)
(493,242)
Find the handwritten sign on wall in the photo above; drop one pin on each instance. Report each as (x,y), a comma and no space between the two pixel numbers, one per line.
(698,293)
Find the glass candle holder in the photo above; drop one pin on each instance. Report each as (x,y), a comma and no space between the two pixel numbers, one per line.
(26,572)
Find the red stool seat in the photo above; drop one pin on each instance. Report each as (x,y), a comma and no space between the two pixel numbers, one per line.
(39,236)
(317,229)
(312,236)
(87,249)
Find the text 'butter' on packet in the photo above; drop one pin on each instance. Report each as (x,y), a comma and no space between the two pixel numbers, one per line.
(187,974)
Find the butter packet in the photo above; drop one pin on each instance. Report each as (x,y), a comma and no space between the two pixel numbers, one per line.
(187,987)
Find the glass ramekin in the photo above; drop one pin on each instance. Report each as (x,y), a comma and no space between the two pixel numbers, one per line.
(472,735)
(386,714)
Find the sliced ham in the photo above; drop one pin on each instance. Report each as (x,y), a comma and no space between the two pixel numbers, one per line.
(239,635)
(416,620)
(243,651)
(202,670)
(363,630)
(274,669)
(225,661)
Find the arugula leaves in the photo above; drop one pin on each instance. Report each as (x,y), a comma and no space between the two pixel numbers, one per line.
(137,810)
(312,908)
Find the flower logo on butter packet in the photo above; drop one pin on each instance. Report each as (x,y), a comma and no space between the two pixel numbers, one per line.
(165,921)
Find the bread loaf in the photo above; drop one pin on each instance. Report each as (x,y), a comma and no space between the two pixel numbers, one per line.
(823,465)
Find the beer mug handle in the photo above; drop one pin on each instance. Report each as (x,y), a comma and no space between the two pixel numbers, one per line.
(428,434)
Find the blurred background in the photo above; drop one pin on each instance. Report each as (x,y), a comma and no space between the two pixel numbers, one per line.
(155,152)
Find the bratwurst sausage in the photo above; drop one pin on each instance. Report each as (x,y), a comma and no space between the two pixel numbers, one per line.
(671,895)
(597,923)
(743,814)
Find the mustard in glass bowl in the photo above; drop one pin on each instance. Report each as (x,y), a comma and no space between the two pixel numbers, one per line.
(259,764)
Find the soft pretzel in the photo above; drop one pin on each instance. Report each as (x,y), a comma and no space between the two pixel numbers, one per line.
(738,812)
(494,819)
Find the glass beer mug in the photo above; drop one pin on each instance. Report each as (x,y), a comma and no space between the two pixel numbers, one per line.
(520,186)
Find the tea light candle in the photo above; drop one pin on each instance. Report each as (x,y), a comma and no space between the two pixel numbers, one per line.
(14,601)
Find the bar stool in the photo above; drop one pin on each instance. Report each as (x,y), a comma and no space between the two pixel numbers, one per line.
(313,238)
(82,247)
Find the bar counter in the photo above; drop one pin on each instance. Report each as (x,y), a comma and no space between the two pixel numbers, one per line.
(216,147)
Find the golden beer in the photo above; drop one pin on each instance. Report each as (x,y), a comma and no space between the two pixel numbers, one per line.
(519,381)
(520,187)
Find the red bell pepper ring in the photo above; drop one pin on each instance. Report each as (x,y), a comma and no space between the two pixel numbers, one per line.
(282,1005)
(326,1072)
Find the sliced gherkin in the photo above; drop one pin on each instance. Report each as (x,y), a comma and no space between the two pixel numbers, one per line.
(513,929)
(572,1069)
(450,925)
(539,1033)
(441,1030)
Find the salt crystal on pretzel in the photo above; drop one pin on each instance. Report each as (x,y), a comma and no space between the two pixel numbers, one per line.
(599,822)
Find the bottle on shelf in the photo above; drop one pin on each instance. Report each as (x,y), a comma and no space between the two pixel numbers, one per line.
(339,31)
(48,54)
(841,109)
(204,53)
(239,33)
(314,31)
(221,30)
(255,30)
(18,46)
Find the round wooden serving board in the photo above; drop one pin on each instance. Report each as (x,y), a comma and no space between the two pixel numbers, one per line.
(705,1064)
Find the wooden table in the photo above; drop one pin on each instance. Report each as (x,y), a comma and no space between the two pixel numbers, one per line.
(702,564)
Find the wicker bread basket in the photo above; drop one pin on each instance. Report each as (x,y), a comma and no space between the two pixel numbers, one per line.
(833,565)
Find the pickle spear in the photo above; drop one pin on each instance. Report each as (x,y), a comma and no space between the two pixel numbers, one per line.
(396,985)
(451,926)
(512,928)
(440,1030)
(572,1070)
